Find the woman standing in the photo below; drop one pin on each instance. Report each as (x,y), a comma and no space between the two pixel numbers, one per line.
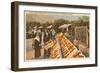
(37,47)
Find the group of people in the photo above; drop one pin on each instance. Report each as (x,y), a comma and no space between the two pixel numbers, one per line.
(40,37)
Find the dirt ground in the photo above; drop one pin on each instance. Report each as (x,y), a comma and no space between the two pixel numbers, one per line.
(29,51)
(30,55)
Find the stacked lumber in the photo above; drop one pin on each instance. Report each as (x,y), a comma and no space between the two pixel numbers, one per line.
(68,49)
(55,51)
(63,47)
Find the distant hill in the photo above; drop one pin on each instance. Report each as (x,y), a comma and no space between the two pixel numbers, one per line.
(47,17)
(38,17)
